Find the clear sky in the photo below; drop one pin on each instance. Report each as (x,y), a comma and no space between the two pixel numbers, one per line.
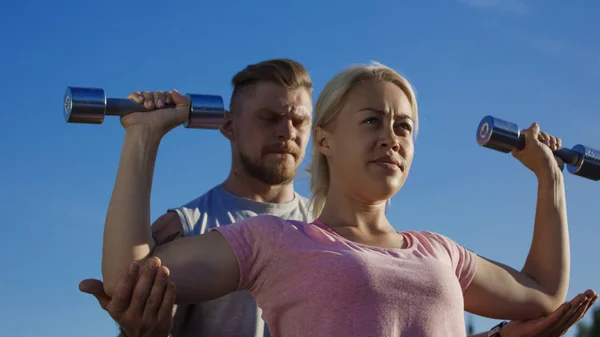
(520,60)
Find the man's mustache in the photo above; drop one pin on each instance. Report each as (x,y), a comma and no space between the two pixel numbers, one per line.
(286,148)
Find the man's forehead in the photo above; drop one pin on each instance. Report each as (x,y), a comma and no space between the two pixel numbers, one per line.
(298,106)
(286,101)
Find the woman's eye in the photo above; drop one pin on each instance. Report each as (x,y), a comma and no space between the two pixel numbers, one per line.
(406,126)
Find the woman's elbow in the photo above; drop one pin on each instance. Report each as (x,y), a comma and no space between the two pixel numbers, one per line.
(110,281)
(109,288)
(122,275)
(547,304)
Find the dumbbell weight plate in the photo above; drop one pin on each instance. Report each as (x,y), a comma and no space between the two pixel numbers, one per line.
(589,165)
(84,105)
(498,134)
(206,112)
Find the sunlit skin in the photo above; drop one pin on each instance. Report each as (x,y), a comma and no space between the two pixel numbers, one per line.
(370,149)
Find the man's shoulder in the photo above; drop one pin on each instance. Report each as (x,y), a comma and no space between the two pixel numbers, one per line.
(209,195)
(203,212)
(305,208)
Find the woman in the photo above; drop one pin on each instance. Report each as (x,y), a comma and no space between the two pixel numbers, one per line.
(359,276)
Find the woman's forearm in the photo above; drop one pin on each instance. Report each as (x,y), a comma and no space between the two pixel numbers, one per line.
(127,231)
(548,261)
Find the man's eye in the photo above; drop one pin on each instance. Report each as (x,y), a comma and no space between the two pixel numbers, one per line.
(371,120)
(271,118)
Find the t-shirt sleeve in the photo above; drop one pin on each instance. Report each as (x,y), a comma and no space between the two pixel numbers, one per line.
(463,260)
(253,241)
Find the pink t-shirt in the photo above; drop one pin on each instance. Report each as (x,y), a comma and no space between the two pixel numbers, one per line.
(310,281)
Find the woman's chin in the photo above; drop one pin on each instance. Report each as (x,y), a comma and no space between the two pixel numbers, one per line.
(388,185)
(383,190)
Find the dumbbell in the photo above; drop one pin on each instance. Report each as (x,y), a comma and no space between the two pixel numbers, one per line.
(90,106)
(504,136)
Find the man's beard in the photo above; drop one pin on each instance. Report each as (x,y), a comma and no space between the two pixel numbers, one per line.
(278,174)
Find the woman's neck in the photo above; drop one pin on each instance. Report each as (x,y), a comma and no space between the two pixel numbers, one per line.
(342,210)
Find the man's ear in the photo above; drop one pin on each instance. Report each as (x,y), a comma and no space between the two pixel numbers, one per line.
(323,141)
(227,126)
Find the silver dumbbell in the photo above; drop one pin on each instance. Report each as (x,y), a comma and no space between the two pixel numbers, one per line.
(90,106)
(500,135)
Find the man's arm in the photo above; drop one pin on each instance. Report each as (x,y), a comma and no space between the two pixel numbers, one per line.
(167,228)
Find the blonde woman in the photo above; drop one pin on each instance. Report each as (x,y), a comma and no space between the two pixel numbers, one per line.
(349,272)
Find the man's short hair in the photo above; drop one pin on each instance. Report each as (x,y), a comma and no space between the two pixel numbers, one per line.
(285,72)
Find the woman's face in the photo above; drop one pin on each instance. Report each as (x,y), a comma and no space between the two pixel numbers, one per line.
(369,146)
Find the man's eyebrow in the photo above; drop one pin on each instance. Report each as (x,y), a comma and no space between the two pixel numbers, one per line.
(303,112)
(400,114)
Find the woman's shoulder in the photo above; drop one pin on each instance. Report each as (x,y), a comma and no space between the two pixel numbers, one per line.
(426,235)
(435,242)
(431,239)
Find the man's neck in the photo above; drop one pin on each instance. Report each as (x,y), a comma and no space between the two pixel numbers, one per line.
(248,187)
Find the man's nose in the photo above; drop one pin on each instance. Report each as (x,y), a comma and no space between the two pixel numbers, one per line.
(286,130)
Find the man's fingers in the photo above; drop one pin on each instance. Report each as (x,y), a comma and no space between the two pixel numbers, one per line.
(122,295)
(559,327)
(156,294)
(95,288)
(563,324)
(579,313)
(591,294)
(166,308)
(143,286)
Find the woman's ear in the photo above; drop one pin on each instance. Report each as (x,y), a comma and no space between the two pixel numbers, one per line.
(323,141)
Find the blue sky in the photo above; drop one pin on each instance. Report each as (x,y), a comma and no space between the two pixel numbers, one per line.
(520,60)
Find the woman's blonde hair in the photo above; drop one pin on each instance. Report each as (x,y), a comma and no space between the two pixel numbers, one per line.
(328,106)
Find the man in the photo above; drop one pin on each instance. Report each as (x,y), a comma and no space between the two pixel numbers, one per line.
(268,126)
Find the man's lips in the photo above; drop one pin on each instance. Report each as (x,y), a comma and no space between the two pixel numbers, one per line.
(281,153)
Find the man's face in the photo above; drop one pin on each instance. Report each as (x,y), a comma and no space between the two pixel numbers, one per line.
(271,129)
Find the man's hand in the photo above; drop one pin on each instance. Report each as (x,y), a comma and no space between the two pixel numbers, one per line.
(143,306)
(555,324)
